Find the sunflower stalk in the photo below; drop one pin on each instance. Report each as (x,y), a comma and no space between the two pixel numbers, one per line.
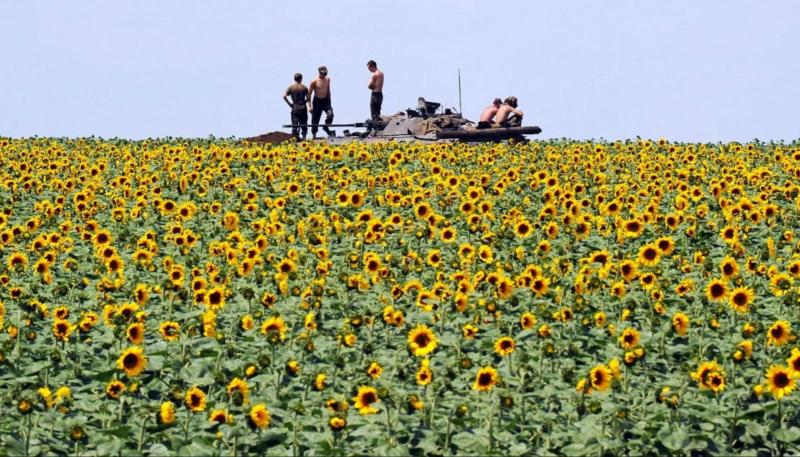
(447,432)
(140,446)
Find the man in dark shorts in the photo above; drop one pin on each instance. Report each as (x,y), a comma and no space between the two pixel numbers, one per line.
(376,87)
(319,101)
(299,95)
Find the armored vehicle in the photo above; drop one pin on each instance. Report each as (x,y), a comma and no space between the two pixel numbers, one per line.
(428,122)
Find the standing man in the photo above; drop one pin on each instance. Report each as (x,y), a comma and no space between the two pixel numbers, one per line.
(487,116)
(376,86)
(319,101)
(299,94)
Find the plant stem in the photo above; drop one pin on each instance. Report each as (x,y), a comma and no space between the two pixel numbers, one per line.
(141,435)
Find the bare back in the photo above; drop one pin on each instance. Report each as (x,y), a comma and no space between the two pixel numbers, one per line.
(502,113)
(320,87)
(376,82)
(488,114)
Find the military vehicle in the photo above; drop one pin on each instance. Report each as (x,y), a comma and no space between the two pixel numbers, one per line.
(427,122)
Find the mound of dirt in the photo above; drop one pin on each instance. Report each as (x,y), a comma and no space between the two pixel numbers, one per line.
(271,137)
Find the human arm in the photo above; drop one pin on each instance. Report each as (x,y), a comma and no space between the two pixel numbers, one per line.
(286,98)
(372,81)
(311,88)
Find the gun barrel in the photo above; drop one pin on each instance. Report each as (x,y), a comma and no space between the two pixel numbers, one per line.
(356,124)
(488,134)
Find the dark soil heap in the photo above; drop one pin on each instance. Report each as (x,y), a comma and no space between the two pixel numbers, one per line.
(271,137)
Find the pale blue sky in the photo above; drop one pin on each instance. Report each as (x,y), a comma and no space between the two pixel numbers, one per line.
(686,70)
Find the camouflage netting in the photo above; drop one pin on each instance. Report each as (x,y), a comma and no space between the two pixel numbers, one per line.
(403,124)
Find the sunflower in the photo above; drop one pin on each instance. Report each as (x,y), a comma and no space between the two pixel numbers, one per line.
(780,381)
(170,330)
(259,416)
(504,346)
(629,338)
(17,261)
(337,423)
(649,255)
(527,321)
(215,298)
(195,399)
(602,257)
(238,391)
(286,266)
(274,326)
(666,245)
(540,286)
(469,331)
(780,333)
(135,333)
(680,323)
(628,270)
(704,372)
(434,258)
(422,341)
(632,228)
(485,379)
(220,416)
(780,283)
(729,234)
(505,287)
(793,362)
(600,377)
(343,198)
(374,370)
(716,382)
(523,229)
(115,388)
(716,290)
(319,382)
(422,210)
(729,267)
(62,329)
(424,374)
(365,398)
(101,237)
(166,413)
(448,235)
(132,361)
(741,298)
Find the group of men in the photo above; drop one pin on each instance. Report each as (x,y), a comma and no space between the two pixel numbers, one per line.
(501,114)
(316,99)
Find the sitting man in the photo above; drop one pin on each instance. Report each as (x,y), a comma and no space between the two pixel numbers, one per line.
(508,115)
(487,116)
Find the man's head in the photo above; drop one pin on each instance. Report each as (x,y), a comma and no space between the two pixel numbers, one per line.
(511,101)
(497,102)
(323,70)
(372,66)
(298,77)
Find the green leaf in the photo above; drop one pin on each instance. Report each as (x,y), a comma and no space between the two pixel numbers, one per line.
(472,442)
(788,435)
(673,440)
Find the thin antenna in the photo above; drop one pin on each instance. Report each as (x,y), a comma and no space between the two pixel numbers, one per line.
(460,111)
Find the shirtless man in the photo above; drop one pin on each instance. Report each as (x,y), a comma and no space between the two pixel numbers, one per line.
(508,115)
(487,116)
(376,87)
(299,93)
(319,101)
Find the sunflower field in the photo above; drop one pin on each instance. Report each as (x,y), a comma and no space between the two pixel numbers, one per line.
(214,297)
